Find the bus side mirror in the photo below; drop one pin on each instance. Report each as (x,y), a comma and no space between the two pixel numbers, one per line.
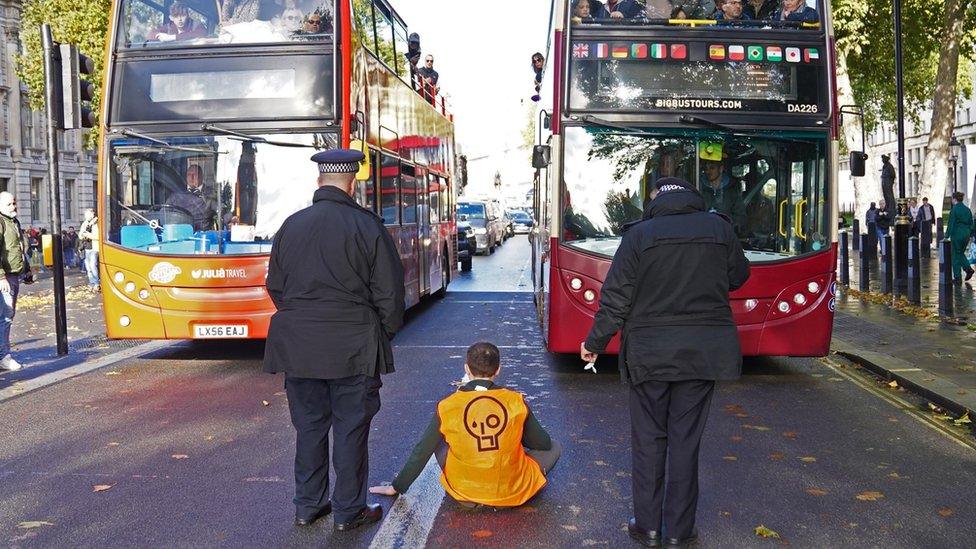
(858,160)
(540,156)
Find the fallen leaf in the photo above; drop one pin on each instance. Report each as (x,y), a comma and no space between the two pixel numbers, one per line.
(946,512)
(870,496)
(600,462)
(963,420)
(736,438)
(895,475)
(266,403)
(101,487)
(569,527)
(179,456)
(482,534)
(893,384)
(28,524)
(764,532)
(114,444)
(777,455)
(730,458)
(790,434)
(808,459)
(756,427)
(113,373)
(725,514)
(816,492)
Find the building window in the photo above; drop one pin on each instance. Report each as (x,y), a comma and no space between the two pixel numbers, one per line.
(69,198)
(37,185)
(27,128)
(4,184)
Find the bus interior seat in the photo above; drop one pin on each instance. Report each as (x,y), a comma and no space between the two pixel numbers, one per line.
(138,236)
(247,247)
(185,247)
(177,231)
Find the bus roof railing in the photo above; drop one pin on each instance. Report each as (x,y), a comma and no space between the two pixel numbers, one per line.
(592,22)
(431,94)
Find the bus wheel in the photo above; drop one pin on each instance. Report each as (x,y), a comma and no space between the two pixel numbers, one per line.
(466,264)
(445,275)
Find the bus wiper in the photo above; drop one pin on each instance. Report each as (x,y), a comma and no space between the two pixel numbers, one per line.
(699,121)
(162,144)
(211,128)
(590,119)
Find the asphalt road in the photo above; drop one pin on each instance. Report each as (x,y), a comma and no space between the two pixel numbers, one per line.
(195,448)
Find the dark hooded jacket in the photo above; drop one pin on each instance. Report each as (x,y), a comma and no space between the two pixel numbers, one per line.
(667,292)
(337,281)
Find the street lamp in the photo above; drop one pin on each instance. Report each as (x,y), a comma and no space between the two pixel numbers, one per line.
(954,147)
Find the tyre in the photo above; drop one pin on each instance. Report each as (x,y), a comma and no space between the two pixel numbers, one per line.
(466,264)
(445,277)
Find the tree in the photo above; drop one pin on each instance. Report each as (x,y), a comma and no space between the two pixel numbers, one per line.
(80,22)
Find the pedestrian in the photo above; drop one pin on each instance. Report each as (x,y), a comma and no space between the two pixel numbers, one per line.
(882,223)
(484,459)
(913,213)
(959,231)
(70,247)
(888,185)
(926,216)
(15,269)
(667,292)
(337,281)
(88,234)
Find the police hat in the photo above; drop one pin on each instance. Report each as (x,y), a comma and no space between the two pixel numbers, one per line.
(338,161)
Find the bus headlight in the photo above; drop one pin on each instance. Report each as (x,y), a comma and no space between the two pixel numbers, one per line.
(124,321)
(783,307)
(800,299)
(751,304)
(576,284)
(589,295)
(143,294)
(130,287)
(120,277)
(813,287)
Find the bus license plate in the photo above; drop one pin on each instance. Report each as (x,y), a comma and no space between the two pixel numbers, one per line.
(217,331)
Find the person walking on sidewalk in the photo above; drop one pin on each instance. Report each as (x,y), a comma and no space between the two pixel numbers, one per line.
(677,338)
(15,268)
(882,223)
(926,216)
(959,231)
(337,281)
(88,234)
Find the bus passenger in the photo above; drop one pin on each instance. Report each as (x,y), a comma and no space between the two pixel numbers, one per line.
(796,10)
(695,9)
(290,20)
(717,188)
(180,27)
(624,9)
(317,23)
(490,447)
(657,9)
(192,201)
(238,11)
(760,9)
(582,10)
(729,11)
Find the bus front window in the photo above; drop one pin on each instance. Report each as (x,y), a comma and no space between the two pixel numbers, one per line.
(208,194)
(772,188)
(203,22)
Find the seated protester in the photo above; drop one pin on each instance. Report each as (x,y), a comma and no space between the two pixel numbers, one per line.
(695,9)
(760,9)
(491,449)
(624,9)
(731,10)
(180,27)
(796,10)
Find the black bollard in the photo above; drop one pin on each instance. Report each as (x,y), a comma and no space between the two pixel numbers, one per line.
(945,278)
(887,266)
(856,230)
(845,260)
(864,274)
(914,272)
(926,243)
(900,257)
(873,238)
(939,231)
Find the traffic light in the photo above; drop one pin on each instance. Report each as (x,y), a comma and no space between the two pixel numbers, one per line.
(76,92)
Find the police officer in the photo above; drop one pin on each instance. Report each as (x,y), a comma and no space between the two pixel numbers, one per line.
(336,279)
(668,293)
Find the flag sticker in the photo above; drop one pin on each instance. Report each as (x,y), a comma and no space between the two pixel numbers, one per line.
(793,55)
(755,53)
(737,53)
(602,51)
(659,51)
(581,50)
(620,52)
(774,53)
(638,51)
(811,54)
(679,51)
(716,52)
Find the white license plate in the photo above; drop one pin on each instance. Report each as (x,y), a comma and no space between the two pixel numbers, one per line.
(218,331)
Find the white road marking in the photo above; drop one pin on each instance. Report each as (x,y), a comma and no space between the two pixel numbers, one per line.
(411,518)
(24,387)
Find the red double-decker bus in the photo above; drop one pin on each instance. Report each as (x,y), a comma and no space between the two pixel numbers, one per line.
(745,109)
(211,113)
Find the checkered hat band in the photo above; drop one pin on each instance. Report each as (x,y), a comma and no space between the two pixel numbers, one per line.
(342,167)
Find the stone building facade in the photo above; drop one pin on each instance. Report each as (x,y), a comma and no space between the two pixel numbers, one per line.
(23,144)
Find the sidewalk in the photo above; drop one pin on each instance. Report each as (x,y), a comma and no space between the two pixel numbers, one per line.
(934,359)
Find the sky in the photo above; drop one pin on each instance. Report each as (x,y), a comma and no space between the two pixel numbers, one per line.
(483,53)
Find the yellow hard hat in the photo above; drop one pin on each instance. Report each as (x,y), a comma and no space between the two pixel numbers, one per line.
(710,150)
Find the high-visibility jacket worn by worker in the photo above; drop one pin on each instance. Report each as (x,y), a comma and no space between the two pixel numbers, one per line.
(486,462)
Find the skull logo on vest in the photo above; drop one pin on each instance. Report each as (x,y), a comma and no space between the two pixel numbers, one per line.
(485,419)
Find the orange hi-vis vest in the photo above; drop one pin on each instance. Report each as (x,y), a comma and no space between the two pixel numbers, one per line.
(485,460)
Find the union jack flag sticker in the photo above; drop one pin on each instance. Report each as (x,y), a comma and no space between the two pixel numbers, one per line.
(581,50)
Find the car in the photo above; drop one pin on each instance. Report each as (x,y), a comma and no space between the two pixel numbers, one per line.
(484,224)
(466,245)
(509,225)
(521,222)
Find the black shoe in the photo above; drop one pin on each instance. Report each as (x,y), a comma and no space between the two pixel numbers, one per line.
(370,514)
(684,542)
(969,274)
(302,521)
(647,538)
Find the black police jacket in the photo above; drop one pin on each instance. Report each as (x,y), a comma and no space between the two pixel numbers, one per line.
(337,281)
(667,292)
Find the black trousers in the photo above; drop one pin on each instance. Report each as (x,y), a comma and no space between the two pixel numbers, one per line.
(667,420)
(345,406)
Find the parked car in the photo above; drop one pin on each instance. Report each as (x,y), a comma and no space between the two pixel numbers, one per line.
(508,224)
(522,222)
(467,245)
(484,225)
